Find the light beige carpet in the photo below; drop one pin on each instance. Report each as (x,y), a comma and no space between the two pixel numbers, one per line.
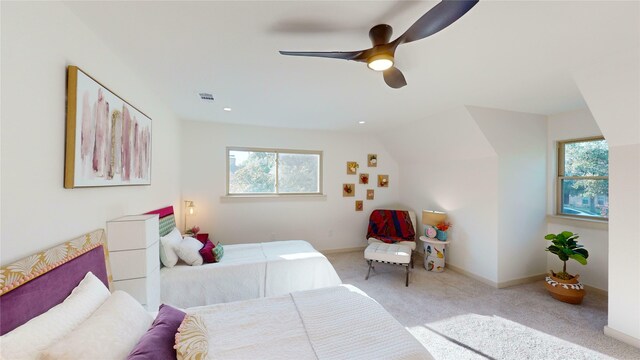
(456,317)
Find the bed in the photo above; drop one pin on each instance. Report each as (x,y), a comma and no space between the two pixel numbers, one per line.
(330,323)
(247,271)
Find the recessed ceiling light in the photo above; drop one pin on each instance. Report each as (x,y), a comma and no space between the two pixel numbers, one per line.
(227,109)
(361,122)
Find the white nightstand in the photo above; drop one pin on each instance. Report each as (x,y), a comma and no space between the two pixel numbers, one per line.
(135,257)
(434,254)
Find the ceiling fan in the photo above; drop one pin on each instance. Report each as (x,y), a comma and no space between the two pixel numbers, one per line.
(380,57)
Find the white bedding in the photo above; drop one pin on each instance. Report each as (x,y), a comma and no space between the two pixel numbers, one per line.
(332,323)
(248,271)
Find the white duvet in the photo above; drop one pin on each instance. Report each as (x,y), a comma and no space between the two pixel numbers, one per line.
(333,323)
(248,271)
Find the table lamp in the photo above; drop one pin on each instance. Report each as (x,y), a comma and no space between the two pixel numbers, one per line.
(432,217)
(189,209)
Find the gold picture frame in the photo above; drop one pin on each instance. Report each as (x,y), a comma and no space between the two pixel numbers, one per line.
(108,141)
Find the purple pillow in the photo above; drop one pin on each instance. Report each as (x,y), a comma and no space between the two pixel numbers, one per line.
(207,252)
(157,343)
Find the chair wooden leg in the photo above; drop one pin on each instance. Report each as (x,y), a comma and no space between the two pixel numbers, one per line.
(412,260)
(369,271)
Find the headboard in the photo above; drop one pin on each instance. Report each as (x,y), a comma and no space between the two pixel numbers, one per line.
(35,284)
(167,219)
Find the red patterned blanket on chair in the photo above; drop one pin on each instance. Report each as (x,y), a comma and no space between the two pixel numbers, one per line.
(391,226)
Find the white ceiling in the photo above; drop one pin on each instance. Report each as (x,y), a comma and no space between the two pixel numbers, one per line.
(513,55)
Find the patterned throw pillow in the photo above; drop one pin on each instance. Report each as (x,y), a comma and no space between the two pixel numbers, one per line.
(192,339)
(218,251)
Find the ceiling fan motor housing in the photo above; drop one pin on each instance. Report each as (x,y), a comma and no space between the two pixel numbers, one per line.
(380,34)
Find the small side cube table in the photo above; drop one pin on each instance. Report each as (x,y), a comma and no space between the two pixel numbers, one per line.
(434,253)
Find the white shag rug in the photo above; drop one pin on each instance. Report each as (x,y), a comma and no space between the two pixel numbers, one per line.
(456,317)
(475,336)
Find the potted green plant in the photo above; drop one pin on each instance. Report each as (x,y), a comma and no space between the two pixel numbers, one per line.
(562,285)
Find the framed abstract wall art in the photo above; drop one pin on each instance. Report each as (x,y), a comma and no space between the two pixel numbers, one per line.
(108,141)
(364,178)
(359,205)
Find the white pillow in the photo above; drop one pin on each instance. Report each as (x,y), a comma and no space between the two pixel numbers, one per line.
(168,245)
(110,333)
(27,340)
(189,251)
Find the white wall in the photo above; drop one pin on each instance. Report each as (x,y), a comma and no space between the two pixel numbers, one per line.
(447,164)
(474,163)
(565,126)
(327,223)
(519,139)
(38,41)
(612,91)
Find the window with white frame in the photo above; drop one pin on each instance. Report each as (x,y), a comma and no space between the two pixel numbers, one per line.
(252,171)
(583,178)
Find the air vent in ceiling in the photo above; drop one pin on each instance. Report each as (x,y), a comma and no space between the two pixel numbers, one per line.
(206,96)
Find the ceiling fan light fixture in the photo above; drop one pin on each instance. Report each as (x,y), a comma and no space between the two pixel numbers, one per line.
(380,62)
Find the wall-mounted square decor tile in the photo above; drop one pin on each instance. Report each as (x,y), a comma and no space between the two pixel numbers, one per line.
(372,160)
(383,180)
(348,190)
(352,167)
(370,194)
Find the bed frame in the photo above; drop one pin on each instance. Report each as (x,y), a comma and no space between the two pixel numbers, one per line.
(31,286)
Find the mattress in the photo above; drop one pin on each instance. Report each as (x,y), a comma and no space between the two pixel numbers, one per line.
(338,322)
(248,271)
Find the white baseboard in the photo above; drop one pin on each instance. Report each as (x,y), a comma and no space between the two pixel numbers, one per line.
(343,250)
(524,280)
(595,290)
(471,275)
(618,335)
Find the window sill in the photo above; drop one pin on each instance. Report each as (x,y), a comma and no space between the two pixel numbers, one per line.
(578,222)
(251,198)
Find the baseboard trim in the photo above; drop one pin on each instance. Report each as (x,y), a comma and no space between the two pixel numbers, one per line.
(343,250)
(514,282)
(619,335)
(471,275)
(595,290)
(524,280)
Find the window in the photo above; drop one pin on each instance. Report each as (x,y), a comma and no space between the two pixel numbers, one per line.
(273,172)
(583,178)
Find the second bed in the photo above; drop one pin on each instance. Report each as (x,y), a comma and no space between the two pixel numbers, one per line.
(247,271)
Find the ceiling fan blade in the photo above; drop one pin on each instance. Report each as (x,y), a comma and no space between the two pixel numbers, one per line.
(344,55)
(394,78)
(436,19)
